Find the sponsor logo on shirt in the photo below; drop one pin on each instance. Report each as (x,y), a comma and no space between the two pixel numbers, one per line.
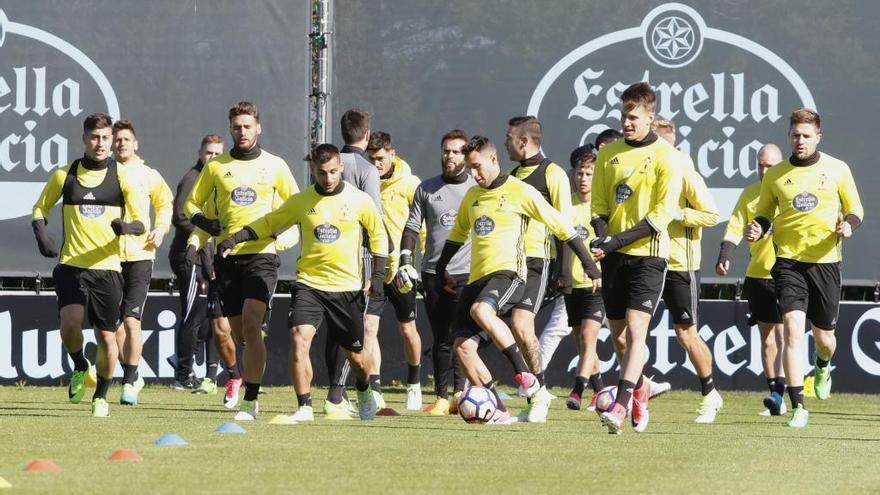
(326,233)
(582,232)
(484,226)
(91,211)
(447,219)
(244,196)
(805,202)
(622,193)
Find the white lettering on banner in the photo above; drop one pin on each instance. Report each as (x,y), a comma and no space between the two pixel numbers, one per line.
(864,361)
(35,95)
(30,363)
(756,361)
(662,334)
(166,343)
(722,352)
(7,369)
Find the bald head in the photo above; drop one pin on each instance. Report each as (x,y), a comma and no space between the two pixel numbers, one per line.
(768,155)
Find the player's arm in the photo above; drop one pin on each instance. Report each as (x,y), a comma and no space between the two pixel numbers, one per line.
(851,205)
(702,211)
(133,210)
(764,211)
(278,220)
(40,217)
(457,237)
(733,234)
(163,204)
(195,202)
(372,223)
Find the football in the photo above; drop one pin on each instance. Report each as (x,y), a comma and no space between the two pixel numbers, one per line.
(477,405)
(605,399)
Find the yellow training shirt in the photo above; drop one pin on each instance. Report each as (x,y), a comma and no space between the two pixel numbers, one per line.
(580,213)
(697,210)
(497,218)
(762,255)
(639,182)
(539,241)
(396,194)
(151,189)
(811,200)
(331,232)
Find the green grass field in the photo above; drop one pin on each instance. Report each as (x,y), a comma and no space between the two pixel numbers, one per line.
(414,453)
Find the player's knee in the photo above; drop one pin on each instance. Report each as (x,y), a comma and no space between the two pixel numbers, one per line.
(481,312)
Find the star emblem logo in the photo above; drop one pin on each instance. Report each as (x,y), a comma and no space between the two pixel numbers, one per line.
(673,38)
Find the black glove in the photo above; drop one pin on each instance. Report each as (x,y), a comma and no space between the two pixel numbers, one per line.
(45,243)
(726,252)
(209,225)
(243,235)
(377,278)
(123,228)
(606,244)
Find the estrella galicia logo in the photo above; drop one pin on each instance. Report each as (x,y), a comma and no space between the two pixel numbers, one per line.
(326,233)
(484,226)
(622,193)
(47,84)
(91,211)
(447,219)
(724,112)
(582,232)
(805,202)
(244,196)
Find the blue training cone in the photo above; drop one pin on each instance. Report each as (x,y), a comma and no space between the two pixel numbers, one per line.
(503,396)
(229,427)
(170,440)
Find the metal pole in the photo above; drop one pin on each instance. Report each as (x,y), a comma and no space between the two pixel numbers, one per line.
(320,64)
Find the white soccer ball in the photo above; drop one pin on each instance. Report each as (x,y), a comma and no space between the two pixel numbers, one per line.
(605,399)
(477,405)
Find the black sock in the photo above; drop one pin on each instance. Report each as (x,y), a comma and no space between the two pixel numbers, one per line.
(625,391)
(129,373)
(304,399)
(707,385)
(251,391)
(102,387)
(796,394)
(779,386)
(376,383)
(80,363)
(361,385)
(335,394)
(580,383)
(771,383)
(491,387)
(412,373)
(821,363)
(596,382)
(516,360)
(211,372)
(640,382)
(233,371)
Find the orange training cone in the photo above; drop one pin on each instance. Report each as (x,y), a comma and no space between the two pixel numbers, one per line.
(42,466)
(125,455)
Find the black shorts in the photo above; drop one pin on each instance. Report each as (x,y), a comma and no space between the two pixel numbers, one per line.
(761,293)
(681,293)
(100,291)
(135,286)
(810,287)
(536,284)
(584,304)
(404,304)
(245,276)
(631,282)
(214,307)
(343,312)
(500,289)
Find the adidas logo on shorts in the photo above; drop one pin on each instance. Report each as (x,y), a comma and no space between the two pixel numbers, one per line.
(685,315)
(136,310)
(528,300)
(648,304)
(356,343)
(597,313)
(494,292)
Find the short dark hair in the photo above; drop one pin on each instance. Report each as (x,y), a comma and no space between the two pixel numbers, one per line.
(639,94)
(585,159)
(607,136)
(322,154)
(805,116)
(97,121)
(211,139)
(355,125)
(453,134)
(580,151)
(380,140)
(530,126)
(244,108)
(478,144)
(124,125)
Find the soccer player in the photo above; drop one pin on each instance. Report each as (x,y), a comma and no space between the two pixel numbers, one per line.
(495,214)
(636,187)
(244,183)
(137,254)
(607,136)
(397,188)
(97,197)
(523,143)
(583,298)
(190,273)
(435,203)
(759,284)
(331,215)
(812,203)
(681,292)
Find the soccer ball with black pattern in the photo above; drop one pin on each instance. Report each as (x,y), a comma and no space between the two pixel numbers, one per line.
(605,399)
(477,405)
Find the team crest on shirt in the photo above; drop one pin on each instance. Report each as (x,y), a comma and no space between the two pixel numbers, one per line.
(582,232)
(484,225)
(91,211)
(622,193)
(244,196)
(447,219)
(805,202)
(326,233)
